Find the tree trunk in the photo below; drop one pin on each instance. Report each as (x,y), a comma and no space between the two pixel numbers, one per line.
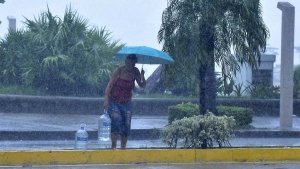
(207,91)
(207,88)
(211,91)
(202,100)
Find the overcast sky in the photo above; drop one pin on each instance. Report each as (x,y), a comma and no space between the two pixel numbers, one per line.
(134,22)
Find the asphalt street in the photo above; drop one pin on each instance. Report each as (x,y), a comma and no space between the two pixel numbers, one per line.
(258,165)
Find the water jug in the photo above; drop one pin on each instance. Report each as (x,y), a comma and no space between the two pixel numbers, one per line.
(104,125)
(81,137)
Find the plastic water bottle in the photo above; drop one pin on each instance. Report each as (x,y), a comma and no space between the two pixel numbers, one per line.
(104,125)
(81,137)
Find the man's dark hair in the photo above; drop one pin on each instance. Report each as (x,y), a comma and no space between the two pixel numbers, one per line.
(132,57)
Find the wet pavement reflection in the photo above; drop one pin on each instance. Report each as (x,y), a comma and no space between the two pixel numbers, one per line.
(260,165)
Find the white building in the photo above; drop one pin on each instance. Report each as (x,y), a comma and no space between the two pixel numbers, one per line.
(263,75)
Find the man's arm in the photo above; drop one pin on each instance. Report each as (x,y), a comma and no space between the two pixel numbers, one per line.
(109,87)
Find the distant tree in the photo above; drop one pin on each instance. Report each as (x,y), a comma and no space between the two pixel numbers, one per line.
(60,55)
(297,82)
(200,33)
(12,57)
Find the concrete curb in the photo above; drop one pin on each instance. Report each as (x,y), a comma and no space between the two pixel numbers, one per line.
(136,134)
(267,133)
(129,156)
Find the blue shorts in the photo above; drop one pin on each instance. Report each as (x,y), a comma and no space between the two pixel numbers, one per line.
(120,114)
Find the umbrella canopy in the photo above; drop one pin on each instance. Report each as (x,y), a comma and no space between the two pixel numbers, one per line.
(145,55)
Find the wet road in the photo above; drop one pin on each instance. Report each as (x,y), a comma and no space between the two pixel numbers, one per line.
(260,165)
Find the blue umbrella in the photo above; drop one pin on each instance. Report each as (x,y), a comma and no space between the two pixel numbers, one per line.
(145,55)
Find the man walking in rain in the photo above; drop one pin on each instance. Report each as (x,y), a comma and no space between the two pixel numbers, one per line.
(118,95)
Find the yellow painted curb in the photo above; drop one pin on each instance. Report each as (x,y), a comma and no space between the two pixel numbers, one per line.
(96,156)
(248,154)
(148,156)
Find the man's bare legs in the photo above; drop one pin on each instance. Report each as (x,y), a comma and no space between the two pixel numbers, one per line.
(125,125)
(114,136)
(113,141)
(123,142)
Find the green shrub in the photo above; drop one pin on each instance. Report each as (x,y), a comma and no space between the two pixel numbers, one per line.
(264,91)
(195,131)
(182,110)
(243,116)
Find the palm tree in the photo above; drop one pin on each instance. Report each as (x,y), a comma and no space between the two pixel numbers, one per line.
(69,57)
(59,55)
(205,32)
(11,57)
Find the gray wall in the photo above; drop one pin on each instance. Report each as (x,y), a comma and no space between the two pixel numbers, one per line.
(142,106)
(78,105)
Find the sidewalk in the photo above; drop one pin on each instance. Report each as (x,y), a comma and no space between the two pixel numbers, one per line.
(33,126)
(68,122)
(71,122)
(56,131)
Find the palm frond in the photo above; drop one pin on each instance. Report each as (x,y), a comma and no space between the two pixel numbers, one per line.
(54,60)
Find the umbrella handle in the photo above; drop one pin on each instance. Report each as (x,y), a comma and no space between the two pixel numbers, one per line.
(142,68)
(143,76)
